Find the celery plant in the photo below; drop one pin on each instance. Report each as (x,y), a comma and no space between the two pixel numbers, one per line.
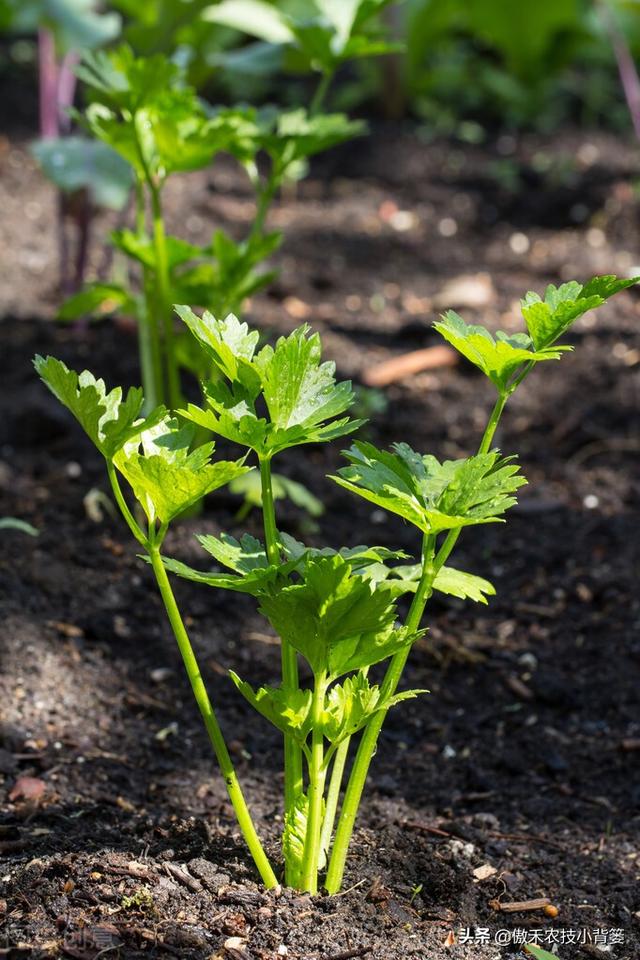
(142,109)
(336,609)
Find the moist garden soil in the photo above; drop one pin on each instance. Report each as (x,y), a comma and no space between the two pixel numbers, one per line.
(116,836)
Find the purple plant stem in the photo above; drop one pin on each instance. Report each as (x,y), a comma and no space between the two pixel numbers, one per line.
(48,83)
(626,66)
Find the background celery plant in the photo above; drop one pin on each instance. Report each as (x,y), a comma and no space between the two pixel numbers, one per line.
(142,109)
(335,609)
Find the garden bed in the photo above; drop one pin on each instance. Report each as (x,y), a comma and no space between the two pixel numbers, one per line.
(524,757)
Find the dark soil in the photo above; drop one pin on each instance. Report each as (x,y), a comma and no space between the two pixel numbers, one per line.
(525,755)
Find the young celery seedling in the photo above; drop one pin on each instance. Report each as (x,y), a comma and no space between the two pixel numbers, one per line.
(142,109)
(335,609)
(166,476)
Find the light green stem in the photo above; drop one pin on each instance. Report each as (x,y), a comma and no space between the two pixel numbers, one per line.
(278,173)
(333,796)
(152,545)
(369,740)
(164,311)
(148,336)
(293,784)
(317,774)
(265,199)
(321,92)
(211,723)
(124,509)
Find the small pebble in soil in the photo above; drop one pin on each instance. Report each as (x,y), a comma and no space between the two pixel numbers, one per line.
(447,227)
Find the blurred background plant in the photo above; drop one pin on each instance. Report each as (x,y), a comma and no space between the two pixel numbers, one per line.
(165,87)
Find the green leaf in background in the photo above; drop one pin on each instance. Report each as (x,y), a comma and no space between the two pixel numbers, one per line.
(139,246)
(499,358)
(120,80)
(293,135)
(323,33)
(431,495)
(223,286)
(249,487)
(143,110)
(548,318)
(14,523)
(108,420)
(344,15)
(75,24)
(335,619)
(522,31)
(255,17)
(77,163)
(166,475)
(98,300)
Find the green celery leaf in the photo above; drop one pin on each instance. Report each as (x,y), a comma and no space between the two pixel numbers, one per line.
(229,343)
(254,583)
(140,247)
(247,558)
(108,420)
(241,556)
(223,283)
(288,710)
(335,619)
(359,557)
(499,358)
(255,17)
(237,423)
(299,390)
(77,163)
(291,136)
(249,487)
(141,110)
(358,47)
(165,475)
(108,127)
(465,586)
(98,300)
(404,579)
(75,24)
(293,838)
(548,319)
(349,705)
(431,495)
(350,16)
(121,80)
